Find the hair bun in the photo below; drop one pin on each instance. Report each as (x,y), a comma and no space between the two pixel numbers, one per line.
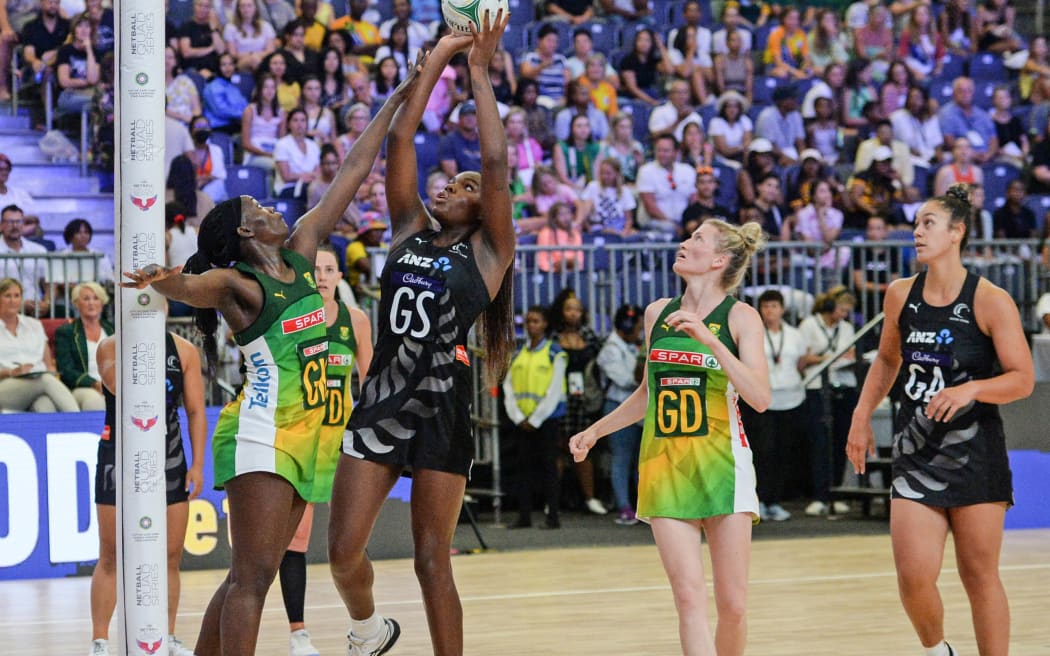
(959,191)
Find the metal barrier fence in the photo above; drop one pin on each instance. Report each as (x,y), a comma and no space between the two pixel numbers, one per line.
(54,275)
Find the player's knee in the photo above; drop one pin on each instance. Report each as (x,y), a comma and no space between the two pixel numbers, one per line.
(977,573)
(732,611)
(432,564)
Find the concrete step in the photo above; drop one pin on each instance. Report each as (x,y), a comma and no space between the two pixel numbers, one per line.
(24,173)
(18,139)
(97,208)
(26,154)
(46,182)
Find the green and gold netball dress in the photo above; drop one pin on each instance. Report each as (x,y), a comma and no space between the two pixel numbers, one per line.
(274,423)
(695,459)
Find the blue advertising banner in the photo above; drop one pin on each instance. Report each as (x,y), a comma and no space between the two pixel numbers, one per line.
(48,527)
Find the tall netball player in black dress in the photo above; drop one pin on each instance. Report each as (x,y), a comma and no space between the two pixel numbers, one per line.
(957,342)
(414,410)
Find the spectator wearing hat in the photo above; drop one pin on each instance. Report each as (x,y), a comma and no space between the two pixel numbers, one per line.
(758,162)
(13,195)
(875,191)
(672,116)
(960,118)
(358,261)
(665,186)
(884,136)
(460,149)
(781,124)
(731,131)
(546,65)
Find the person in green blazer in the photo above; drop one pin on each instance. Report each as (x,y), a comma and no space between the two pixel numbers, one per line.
(76,344)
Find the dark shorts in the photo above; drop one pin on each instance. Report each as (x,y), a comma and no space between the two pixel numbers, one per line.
(105,478)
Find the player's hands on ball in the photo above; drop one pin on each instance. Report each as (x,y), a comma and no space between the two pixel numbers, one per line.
(950,401)
(487,37)
(691,324)
(454,42)
(146,276)
(580,444)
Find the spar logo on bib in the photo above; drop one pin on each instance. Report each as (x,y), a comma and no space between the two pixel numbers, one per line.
(680,381)
(295,324)
(688,358)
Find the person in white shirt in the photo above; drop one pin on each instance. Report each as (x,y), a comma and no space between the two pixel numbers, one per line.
(31,273)
(825,333)
(13,195)
(296,157)
(731,22)
(672,116)
(418,34)
(779,431)
(665,187)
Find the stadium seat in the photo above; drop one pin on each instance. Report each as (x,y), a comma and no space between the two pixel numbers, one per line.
(726,195)
(988,66)
(922,181)
(606,36)
(983,91)
(289,208)
(941,89)
(244,82)
(427,158)
(601,257)
(516,40)
(639,112)
(761,38)
(707,112)
(225,142)
(521,13)
(997,177)
(1040,205)
(246,181)
(953,66)
(627,32)
(764,87)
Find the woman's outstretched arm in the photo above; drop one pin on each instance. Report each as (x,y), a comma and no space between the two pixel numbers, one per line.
(318,223)
(497,236)
(407,214)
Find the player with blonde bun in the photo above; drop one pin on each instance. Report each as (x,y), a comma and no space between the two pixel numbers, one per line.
(704,348)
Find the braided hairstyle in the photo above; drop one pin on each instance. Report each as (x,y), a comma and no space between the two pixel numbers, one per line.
(218,246)
(956,201)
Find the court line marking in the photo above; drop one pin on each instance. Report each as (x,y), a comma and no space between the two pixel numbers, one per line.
(793,580)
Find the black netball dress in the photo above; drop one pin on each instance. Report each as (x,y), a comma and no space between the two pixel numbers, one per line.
(415,401)
(963,461)
(174,465)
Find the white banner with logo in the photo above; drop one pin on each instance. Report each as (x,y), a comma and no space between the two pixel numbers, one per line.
(141,488)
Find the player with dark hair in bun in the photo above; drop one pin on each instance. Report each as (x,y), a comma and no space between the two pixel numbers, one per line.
(265,444)
(955,343)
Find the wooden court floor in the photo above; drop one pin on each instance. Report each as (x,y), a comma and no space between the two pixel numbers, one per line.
(813,597)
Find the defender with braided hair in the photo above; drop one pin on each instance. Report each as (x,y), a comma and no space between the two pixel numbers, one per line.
(260,278)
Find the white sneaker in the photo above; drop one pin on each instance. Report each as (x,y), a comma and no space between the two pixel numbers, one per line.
(299,644)
(176,648)
(777,513)
(99,648)
(763,512)
(842,507)
(816,509)
(380,644)
(596,507)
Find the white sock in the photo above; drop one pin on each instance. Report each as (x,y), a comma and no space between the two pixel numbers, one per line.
(367,629)
(939,649)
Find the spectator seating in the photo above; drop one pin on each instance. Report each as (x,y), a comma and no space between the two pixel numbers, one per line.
(290,208)
(606,36)
(997,177)
(953,66)
(1040,205)
(522,13)
(225,142)
(988,66)
(761,38)
(941,88)
(427,158)
(244,82)
(726,195)
(627,33)
(764,86)
(246,181)
(517,40)
(639,111)
(983,91)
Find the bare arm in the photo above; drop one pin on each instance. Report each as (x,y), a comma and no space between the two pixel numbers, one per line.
(495,240)
(193,401)
(880,377)
(363,335)
(236,296)
(406,209)
(315,226)
(106,358)
(998,318)
(633,407)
